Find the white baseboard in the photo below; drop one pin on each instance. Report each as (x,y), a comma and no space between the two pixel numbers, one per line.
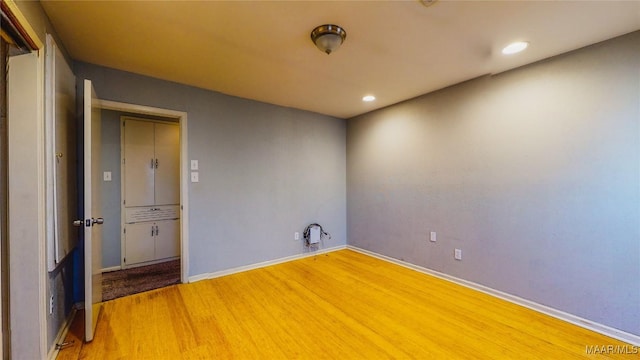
(62,334)
(239,269)
(558,314)
(111,268)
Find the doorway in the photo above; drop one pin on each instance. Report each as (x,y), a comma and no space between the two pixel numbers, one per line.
(140,192)
(181,119)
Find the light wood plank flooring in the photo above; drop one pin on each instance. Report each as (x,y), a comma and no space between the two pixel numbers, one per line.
(343,305)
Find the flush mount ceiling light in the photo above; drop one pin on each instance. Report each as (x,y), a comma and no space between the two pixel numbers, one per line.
(368,98)
(515,47)
(428,3)
(328,37)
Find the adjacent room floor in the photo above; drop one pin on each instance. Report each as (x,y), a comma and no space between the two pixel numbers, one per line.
(121,283)
(342,305)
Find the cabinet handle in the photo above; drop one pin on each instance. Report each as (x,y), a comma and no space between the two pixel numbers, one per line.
(157,230)
(152,163)
(156,163)
(151,230)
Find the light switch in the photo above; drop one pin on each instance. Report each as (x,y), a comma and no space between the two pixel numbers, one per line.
(106,176)
(194,164)
(432,236)
(195,177)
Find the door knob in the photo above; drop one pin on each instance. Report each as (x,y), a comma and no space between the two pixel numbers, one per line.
(88,222)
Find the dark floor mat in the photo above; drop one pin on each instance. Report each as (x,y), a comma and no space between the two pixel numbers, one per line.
(121,283)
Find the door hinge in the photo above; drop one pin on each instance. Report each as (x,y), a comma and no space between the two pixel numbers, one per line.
(124,260)
(125,230)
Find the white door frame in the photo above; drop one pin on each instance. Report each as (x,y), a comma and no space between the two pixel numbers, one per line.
(184,170)
(22,339)
(27,214)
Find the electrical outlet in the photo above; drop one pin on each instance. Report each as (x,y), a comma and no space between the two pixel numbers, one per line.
(51,305)
(432,236)
(457,254)
(194,164)
(195,177)
(296,236)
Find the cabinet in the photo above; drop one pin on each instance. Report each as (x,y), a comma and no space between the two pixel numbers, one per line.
(150,190)
(152,240)
(151,163)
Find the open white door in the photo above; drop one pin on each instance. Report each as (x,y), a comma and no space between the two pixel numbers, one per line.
(92,212)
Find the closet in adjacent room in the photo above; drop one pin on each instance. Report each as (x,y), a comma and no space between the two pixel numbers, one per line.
(150,191)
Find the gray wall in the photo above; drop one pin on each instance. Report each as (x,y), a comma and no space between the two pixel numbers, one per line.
(110,157)
(533,173)
(265,171)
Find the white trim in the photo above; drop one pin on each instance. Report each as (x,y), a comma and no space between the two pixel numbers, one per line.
(558,314)
(123,239)
(184,168)
(150,262)
(42,211)
(50,203)
(263,264)
(184,200)
(22,20)
(111,268)
(140,109)
(62,334)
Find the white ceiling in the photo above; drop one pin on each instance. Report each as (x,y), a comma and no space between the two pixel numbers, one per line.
(395,50)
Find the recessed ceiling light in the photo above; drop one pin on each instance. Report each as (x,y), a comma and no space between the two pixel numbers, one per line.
(368,98)
(515,47)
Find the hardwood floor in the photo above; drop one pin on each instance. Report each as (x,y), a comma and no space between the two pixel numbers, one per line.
(343,305)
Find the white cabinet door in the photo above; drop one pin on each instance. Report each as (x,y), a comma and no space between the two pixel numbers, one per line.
(139,242)
(151,182)
(167,239)
(167,175)
(139,163)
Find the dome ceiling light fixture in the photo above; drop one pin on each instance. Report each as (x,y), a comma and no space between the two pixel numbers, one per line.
(428,3)
(328,37)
